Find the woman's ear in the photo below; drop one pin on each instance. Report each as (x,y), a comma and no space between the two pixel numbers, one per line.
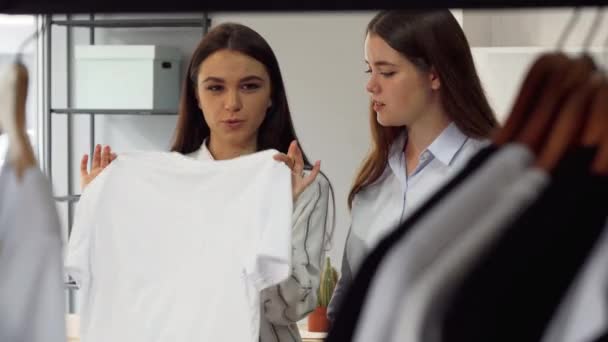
(434,79)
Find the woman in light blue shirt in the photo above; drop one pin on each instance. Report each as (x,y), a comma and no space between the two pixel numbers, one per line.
(429,115)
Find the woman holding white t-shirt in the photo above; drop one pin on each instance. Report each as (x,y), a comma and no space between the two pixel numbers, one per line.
(233,103)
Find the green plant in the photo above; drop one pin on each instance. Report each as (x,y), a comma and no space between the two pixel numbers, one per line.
(329,279)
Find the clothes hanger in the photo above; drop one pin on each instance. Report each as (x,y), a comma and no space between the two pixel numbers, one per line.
(575,116)
(599,165)
(570,123)
(597,123)
(13,96)
(561,86)
(535,82)
(600,162)
(537,78)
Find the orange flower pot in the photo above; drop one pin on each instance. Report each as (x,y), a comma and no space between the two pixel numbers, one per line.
(317,320)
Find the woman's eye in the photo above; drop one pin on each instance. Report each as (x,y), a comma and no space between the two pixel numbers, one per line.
(250,86)
(215,88)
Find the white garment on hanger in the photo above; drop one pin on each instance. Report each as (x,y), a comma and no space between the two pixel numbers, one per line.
(422,307)
(169,248)
(32,296)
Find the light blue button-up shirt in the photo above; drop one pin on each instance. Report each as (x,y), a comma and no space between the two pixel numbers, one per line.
(381,206)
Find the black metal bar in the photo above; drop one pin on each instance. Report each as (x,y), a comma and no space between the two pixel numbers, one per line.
(69,72)
(49,99)
(132,23)
(91,115)
(113,111)
(69,50)
(206,23)
(68,198)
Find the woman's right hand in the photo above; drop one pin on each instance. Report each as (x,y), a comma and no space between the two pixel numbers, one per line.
(101,159)
(295,161)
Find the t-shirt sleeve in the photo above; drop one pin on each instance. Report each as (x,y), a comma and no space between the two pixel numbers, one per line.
(268,261)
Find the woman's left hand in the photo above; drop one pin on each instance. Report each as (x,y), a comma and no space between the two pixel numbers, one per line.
(294,160)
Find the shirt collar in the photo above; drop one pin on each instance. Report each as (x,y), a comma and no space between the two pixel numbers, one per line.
(444,148)
(397,147)
(203,152)
(447,144)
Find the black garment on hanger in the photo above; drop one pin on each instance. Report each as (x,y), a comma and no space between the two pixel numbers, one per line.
(602,338)
(515,289)
(350,308)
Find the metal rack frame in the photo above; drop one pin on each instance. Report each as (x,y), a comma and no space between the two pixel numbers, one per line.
(49,111)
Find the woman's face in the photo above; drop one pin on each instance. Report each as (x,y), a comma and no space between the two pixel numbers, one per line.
(400,92)
(234,94)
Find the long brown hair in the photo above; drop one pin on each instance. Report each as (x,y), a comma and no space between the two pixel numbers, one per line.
(428,39)
(276,131)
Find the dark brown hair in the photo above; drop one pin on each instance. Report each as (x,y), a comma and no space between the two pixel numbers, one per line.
(431,40)
(276,131)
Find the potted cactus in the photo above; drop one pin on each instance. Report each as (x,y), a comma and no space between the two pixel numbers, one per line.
(317,320)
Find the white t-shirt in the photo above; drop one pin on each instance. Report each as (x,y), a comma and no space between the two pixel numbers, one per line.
(169,248)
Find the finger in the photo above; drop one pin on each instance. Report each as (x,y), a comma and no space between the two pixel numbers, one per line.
(110,155)
(298,160)
(313,174)
(282,158)
(285,159)
(105,157)
(114,155)
(83,165)
(291,152)
(96,157)
(279,156)
(292,149)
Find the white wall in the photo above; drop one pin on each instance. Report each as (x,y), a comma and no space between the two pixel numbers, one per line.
(529,27)
(506,42)
(13,31)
